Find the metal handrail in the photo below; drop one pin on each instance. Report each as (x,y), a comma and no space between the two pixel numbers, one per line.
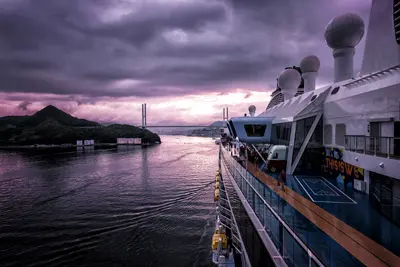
(287,228)
(246,256)
(225,217)
(380,146)
(220,206)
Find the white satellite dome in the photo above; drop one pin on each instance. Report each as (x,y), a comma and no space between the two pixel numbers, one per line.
(289,80)
(252,109)
(344,31)
(310,64)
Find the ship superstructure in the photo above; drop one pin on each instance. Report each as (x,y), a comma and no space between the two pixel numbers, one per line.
(340,147)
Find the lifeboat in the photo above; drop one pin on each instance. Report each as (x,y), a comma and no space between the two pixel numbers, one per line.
(219,237)
(219,245)
(217,185)
(216,195)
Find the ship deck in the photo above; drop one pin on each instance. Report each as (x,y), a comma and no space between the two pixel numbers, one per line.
(338,212)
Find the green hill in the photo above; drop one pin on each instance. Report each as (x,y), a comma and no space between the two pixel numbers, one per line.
(53,126)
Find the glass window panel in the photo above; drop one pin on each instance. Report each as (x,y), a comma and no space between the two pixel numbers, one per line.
(254,130)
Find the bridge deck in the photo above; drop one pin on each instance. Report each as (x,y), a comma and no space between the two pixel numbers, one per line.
(360,246)
(181,126)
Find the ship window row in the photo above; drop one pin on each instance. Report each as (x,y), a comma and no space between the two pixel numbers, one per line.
(280,134)
(378,130)
(309,163)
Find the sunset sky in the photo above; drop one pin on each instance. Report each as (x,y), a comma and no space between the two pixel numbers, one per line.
(187,59)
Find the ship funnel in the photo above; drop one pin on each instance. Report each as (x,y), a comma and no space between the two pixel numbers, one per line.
(342,34)
(289,80)
(309,67)
(252,110)
(382,44)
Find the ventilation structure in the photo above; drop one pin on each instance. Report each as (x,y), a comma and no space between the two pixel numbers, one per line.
(335,90)
(313,98)
(396,18)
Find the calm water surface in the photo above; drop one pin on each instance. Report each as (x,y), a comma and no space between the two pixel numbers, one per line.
(116,207)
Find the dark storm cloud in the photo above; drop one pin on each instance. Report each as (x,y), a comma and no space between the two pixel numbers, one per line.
(160,48)
(138,29)
(24,105)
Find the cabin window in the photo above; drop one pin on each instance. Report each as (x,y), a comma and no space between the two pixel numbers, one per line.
(340,134)
(396,18)
(328,134)
(275,156)
(255,130)
(280,134)
(302,128)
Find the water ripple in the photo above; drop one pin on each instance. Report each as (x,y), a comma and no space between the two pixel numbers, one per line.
(137,207)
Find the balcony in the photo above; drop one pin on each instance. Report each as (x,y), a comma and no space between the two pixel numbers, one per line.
(386,147)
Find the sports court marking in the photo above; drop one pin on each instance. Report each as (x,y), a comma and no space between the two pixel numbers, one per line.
(321,190)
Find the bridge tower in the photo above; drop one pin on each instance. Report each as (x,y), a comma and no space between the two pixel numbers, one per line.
(225,117)
(144,118)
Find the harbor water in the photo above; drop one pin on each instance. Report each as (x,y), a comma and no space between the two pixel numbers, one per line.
(129,206)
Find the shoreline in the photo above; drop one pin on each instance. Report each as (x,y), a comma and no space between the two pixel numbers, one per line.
(64,146)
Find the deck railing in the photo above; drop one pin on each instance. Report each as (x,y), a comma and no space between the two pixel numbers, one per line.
(387,147)
(293,250)
(299,241)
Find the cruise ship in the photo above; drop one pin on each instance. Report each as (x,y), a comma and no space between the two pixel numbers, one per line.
(338,147)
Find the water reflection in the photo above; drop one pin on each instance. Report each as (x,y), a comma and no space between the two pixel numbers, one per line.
(137,207)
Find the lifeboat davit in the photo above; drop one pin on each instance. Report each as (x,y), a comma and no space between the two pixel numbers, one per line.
(219,244)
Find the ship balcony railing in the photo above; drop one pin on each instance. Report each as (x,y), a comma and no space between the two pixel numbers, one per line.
(386,147)
(298,240)
(268,208)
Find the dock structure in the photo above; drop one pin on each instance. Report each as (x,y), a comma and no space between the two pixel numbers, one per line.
(129,141)
(84,143)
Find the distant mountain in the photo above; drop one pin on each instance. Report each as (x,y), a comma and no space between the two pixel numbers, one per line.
(48,112)
(53,126)
(217,124)
(58,115)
